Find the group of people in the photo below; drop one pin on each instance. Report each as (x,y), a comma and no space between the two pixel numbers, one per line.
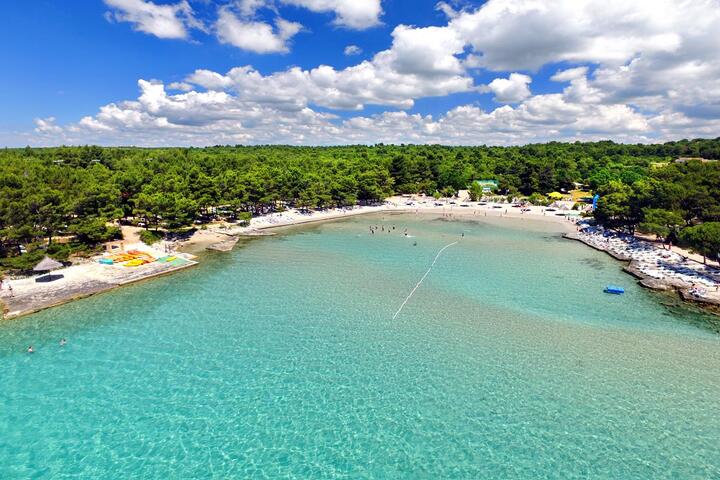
(63,342)
(374,229)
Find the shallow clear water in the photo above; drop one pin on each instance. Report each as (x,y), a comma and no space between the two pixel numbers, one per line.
(281,359)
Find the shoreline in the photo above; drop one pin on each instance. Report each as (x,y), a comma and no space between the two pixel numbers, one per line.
(93,278)
(639,269)
(292,217)
(82,280)
(89,278)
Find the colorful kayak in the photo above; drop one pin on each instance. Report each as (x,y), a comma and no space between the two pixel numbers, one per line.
(136,263)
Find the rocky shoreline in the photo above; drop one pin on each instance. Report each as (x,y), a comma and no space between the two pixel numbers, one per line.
(684,290)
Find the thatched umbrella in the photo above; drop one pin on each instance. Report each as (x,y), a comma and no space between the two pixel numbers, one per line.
(47,264)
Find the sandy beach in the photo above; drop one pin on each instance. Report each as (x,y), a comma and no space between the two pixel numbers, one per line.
(23,296)
(420,205)
(692,280)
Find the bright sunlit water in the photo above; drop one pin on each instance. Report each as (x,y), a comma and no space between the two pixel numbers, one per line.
(281,359)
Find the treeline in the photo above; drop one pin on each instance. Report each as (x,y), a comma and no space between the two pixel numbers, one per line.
(680,203)
(82,192)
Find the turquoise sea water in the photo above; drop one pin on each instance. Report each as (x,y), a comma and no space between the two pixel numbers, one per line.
(281,359)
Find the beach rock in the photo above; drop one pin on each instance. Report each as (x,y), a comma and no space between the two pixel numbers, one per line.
(225,245)
(655,284)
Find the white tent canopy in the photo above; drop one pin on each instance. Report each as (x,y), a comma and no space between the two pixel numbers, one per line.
(47,264)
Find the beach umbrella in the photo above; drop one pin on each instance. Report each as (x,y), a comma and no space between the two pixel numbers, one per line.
(47,264)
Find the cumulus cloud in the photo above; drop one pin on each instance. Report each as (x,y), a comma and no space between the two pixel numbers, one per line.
(248,8)
(355,14)
(351,50)
(245,116)
(180,86)
(253,36)
(47,126)
(447,9)
(240,28)
(163,21)
(526,34)
(421,62)
(632,71)
(510,90)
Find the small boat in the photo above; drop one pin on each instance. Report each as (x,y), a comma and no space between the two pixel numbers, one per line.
(615,290)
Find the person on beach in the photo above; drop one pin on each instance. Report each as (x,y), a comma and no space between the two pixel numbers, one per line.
(30,349)
(12,294)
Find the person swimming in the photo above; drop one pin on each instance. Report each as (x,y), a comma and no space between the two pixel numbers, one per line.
(30,349)
(63,342)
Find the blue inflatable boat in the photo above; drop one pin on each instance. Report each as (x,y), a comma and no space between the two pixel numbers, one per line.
(614,290)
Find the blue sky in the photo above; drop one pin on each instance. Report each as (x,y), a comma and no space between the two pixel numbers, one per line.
(498,72)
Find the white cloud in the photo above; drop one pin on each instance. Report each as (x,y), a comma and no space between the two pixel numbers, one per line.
(653,54)
(510,90)
(209,80)
(447,9)
(633,71)
(47,126)
(351,50)
(163,21)
(355,14)
(248,8)
(569,74)
(421,63)
(526,34)
(211,117)
(180,86)
(254,36)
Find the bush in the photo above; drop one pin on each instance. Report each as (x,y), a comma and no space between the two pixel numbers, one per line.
(149,237)
(538,199)
(94,230)
(245,218)
(22,263)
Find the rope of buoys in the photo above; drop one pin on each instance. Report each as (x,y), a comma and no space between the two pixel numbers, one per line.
(423,278)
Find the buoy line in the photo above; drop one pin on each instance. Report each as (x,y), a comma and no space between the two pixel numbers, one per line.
(423,278)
